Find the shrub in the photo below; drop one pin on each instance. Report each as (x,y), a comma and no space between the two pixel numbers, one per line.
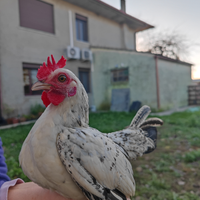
(104,106)
(37,109)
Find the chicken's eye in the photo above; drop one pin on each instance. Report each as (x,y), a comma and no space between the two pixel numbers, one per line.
(62,78)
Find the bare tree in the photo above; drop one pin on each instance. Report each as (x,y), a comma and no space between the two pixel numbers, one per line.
(170,44)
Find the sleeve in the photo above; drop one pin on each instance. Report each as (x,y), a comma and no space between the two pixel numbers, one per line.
(3,167)
(5,182)
(4,188)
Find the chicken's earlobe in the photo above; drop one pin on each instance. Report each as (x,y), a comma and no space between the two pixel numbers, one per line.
(72,88)
(72,92)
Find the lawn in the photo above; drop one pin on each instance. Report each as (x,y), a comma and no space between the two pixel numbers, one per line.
(171,172)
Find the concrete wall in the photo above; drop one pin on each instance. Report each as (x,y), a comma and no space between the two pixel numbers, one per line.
(142,80)
(173,78)
(20,44)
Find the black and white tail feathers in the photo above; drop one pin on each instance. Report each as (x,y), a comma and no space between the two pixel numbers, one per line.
(151,132)
(149,125)
(139,121)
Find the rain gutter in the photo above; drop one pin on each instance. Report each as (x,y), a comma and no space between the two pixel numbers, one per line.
(157,82)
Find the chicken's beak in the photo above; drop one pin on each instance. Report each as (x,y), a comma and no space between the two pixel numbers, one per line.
(40,86)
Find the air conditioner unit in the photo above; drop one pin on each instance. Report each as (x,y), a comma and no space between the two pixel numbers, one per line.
(86,55)
(73,52)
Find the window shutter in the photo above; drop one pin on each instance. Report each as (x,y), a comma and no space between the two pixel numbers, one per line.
(37,15)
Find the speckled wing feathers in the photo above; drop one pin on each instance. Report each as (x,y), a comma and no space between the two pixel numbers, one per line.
(134,142)
(95,162)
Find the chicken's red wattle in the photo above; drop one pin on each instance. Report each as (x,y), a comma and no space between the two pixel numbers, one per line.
(45,99)
(54,97)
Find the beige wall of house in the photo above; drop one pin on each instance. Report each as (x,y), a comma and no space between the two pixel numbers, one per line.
(173,78)
(20,44)
(101,31)
(142,77)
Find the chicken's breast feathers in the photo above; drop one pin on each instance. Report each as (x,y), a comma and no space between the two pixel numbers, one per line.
(95,162)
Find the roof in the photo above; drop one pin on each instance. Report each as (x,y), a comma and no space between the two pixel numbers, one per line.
(149,53)
(105,10)
(172,60)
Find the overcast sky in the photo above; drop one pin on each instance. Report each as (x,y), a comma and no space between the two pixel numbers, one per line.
(181,16)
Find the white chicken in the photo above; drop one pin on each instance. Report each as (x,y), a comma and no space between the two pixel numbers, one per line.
(62,153)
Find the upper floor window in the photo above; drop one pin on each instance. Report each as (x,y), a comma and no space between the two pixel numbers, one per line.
(81,28)
(36,15)
(84,76)
(119,75)
(29,76)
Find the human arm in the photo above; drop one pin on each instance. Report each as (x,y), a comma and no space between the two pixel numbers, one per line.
(3,167)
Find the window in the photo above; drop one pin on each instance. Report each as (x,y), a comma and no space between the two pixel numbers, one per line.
(29,76)
(84,76)
(119,75)
(81,28)
(37,15)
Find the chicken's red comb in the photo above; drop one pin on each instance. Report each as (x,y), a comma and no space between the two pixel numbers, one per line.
(44,71)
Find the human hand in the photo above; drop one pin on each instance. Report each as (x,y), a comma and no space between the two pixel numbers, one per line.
(31,191)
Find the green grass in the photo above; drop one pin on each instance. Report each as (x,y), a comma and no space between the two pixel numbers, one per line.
(192,156)
(171,172)
(110,121)
(13,139)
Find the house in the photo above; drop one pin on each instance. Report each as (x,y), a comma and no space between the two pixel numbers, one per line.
(155,80)
(95,38)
